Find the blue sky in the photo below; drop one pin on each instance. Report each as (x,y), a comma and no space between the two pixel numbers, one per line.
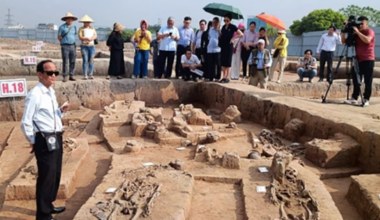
(129,13)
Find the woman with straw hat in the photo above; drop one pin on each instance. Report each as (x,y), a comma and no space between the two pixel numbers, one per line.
(115,42)
(87,35)
(66,37)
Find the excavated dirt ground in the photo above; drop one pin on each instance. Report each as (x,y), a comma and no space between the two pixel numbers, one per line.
(213,192)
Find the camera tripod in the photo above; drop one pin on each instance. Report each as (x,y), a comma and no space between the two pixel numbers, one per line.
(352,71)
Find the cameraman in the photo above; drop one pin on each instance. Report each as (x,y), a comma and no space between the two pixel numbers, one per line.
(365,54)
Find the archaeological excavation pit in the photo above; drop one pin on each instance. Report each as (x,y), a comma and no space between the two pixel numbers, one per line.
(167,149)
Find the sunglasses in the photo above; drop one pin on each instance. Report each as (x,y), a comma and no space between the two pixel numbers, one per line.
(51,73)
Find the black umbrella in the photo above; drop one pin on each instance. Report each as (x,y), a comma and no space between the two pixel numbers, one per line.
(221,9)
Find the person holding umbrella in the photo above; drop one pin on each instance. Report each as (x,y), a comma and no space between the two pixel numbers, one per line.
(227,32)
(280,54)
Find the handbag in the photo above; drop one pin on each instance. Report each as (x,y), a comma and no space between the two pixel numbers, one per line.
(50,139)
(276,53)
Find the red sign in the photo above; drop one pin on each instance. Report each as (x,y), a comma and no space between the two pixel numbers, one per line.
(13,88)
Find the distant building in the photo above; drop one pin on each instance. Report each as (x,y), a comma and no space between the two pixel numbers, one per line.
(18,26)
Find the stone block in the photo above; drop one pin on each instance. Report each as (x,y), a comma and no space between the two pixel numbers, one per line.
(294,129)
(340,151)
(231,161)
(120,112)
(203,153)
(132,146)
(138,128)
(364,194)
(198,117)
(232,114)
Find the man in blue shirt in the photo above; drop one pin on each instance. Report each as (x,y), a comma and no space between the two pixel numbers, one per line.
(186,35)
(213,51)
(259,62)
(66,36)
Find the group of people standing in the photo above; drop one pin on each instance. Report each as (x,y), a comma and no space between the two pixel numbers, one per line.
(222,50)
(67,33)
(217,53)
(87,35)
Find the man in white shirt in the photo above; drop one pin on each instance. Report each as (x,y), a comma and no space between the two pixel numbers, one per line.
(249,41)
(168,36)
(190,63)
(186,35)
(197,40)
(326,47)
(42,126)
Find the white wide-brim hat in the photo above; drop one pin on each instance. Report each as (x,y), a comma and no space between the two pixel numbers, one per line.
(86,18)
(69,15)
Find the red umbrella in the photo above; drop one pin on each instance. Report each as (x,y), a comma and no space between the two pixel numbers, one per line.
(272,20)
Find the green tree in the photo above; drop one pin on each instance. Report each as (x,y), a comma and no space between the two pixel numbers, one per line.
(154,28)
(372,14)
(317,20)
(127,34)
(271,31)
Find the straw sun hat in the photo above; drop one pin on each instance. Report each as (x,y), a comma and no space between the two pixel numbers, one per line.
(86,18)
(69,15)
(118,27)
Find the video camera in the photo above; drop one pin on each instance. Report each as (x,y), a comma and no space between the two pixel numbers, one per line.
(349,29)
(351,22)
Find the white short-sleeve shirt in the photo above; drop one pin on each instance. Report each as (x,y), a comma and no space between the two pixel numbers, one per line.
(168,43)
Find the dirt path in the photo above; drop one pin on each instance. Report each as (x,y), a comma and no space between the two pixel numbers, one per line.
(229,198)
(94,170)
(338,189)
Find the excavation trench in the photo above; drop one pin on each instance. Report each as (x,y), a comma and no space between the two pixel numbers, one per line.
(258,107)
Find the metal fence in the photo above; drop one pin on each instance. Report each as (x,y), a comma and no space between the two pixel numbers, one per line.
(297,44)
